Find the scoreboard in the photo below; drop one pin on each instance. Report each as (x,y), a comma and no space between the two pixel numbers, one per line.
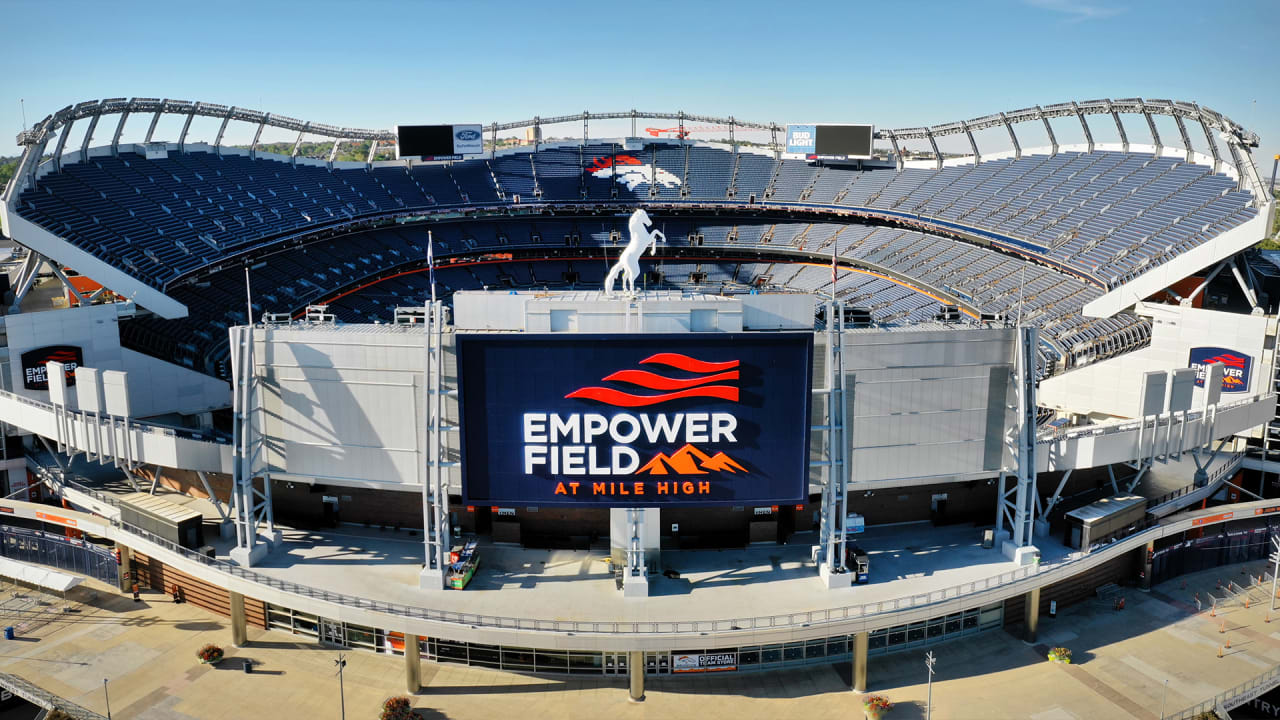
(831,142)
(438,142)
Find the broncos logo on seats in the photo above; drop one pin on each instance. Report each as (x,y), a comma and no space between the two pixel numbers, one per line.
(629,171)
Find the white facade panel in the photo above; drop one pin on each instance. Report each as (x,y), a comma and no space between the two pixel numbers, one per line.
(1112,387)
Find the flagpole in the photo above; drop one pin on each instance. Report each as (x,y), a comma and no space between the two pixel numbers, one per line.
(833,270)
(431,265)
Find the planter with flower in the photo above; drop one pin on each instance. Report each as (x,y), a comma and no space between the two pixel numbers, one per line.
(209,654)
(876,706)
(398,708)
(1060,655)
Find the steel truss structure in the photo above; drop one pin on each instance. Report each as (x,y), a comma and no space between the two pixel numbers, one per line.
(833,525)
(252,507)
(58,124)
(1020,440)
(435,483)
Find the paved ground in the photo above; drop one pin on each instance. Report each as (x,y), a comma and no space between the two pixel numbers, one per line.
(146,651)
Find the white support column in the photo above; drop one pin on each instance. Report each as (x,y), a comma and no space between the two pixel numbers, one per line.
(222,130)
(1013,138)
(253,147)
(1048,130)
(1124,137)
(155,120)
(115,139)
(1182,130)
(62,143)
(1155,134)
(186,127)
(88,136)
(933,143)
(1084,126)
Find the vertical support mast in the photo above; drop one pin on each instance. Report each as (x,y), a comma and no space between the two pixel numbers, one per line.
(834,517)
(435,486)
(1025,498)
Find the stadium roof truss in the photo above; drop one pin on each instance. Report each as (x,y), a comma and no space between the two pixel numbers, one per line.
(57,126)
(1236,136)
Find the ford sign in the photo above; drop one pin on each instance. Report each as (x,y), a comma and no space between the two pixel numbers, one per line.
(467,135)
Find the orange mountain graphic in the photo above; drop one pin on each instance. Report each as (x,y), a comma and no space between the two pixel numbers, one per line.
(689,460)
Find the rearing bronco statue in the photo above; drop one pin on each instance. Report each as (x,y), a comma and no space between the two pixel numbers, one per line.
(628,264)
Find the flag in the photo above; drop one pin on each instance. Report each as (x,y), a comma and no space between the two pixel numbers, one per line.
(431,266)
(833,269)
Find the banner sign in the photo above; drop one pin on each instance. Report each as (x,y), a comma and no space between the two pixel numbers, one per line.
(1235,367)
(638,420)
(685,663)
(34,371)
(802,139)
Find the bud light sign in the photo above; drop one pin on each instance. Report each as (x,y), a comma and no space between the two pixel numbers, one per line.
(635,420)
(1235,367)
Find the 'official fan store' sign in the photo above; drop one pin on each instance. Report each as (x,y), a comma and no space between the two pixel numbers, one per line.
(638,420)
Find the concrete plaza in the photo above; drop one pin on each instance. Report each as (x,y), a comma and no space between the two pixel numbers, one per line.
(1122,658)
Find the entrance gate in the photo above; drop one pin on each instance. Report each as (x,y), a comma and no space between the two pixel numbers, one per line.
(75,555)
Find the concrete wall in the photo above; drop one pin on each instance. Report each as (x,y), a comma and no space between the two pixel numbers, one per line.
(345,403)
(155,387)
(928,404)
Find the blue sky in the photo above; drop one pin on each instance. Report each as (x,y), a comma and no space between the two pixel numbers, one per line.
(373,64)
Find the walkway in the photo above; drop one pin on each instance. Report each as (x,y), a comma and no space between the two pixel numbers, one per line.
(146,651)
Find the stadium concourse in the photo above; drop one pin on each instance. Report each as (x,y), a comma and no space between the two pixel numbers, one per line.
(1019,378)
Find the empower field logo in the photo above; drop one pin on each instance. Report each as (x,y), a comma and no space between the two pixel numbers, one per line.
(635,419)
(1235,367)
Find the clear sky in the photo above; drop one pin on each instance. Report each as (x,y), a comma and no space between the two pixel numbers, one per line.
(895,64)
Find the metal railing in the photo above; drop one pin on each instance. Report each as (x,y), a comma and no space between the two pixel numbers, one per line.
(800,619)
(1233,698)
(1232,464)
(1160,422)
(139,425)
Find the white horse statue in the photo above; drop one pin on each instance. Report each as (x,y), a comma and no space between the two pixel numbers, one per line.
(628,264)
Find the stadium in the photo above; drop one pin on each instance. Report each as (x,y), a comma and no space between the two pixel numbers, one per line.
(897,388)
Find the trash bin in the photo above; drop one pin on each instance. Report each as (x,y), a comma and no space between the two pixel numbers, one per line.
(8,632)
(988,538)
(248,667)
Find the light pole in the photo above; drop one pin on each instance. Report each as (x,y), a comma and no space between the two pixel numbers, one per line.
(1164,695)
(929,660)
(341,662)
(107,697)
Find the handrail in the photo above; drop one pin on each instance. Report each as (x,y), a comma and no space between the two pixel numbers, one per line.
(802,619)
(1233,698)
(103,419)
(1160,421)
(1232,463)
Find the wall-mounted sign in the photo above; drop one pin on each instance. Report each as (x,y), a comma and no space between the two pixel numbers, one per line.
(34,372)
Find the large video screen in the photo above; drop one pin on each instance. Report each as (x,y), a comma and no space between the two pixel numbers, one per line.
(635,420)
(424,140)
(841,142)
(439,142)
(844,140)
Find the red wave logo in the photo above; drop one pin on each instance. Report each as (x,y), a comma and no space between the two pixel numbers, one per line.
(1234,361)
(678,387)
